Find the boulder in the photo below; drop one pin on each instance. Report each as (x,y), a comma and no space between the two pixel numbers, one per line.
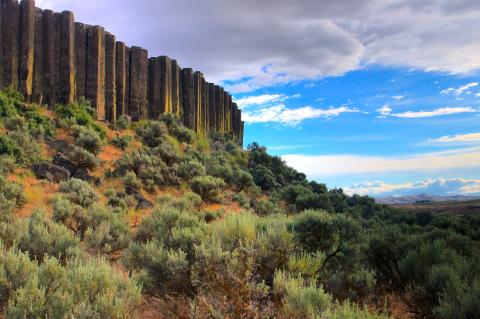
(51,172)
(63,161)
(142,202)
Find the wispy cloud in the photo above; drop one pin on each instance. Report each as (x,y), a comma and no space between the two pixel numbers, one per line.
(260,99)
(318,166)
(387,111)
(398,97)
(440,186)
(460,90)
(462,138)
(281,114)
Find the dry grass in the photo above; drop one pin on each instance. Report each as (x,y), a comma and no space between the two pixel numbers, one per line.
(38,193)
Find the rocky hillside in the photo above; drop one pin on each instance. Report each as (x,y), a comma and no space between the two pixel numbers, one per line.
(149,220)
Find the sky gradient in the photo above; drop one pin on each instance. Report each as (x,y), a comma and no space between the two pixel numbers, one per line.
(379,97)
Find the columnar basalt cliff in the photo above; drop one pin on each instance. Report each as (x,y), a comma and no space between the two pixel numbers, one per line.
(50,59)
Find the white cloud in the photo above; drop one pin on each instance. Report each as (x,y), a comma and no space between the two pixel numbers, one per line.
(398,97)
(462,138)
(281,114)
(439,187)
(319,166)
(236,40)
(460,90)
(259,100)
(387,111)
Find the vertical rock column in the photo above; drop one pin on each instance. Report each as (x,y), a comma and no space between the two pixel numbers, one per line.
(188,98)
(57,19)
(205,107)
(67,58)
(166,84)
(49,64)
(1,44)
(126,108)
(155,95)
(219,108)
(211,107)
(138,84)
(27,46)
(242,129)
(197,87)
(120,77)
(10,42)
(110,78)
(235,119)
(39,61)
(95,79)
(176,103)
(81,59)
(226,105)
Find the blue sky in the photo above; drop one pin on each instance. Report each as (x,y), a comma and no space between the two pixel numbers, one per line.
(390,114)
(376,96)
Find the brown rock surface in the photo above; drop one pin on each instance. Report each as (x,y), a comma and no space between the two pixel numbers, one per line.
(110,78)
(27,46)
(95,79)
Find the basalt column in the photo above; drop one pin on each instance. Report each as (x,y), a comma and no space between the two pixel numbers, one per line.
(155,89)
(49,63)
(120,77)
(242,129)
(27,45)
(219,100)
(95,80)
(38,91)
(197,88)
(81,59)
(166,84)
(138,84)
(1,44)
(67,58)
(110,78)
(126,108)
(188,98)
(235,121)
(57,19)
(211,107)
(226,103)
(10,42)
(176,97)
(205,108)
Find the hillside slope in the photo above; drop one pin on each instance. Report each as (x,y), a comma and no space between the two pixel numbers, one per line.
(151,221)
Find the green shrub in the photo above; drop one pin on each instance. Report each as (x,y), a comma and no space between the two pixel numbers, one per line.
(131,180)
(79,192)
(243,180)
(300,301)
(152,133)
(236,230)
(78,290)
(82,158)
(109,236)
(11,197)
(87,138)
(7,165)
(208,187)
(80,113)
(43,237)
(122,142)
(242,198)
(161,270)
(191,169)
(123,122)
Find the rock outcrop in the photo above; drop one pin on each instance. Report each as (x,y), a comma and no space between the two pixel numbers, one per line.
(50,59)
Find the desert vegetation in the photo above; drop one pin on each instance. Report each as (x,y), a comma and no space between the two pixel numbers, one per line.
(184,226)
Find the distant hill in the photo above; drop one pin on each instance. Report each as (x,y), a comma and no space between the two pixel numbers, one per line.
(422,199)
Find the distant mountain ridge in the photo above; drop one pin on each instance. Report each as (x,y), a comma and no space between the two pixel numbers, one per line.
(418,199)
